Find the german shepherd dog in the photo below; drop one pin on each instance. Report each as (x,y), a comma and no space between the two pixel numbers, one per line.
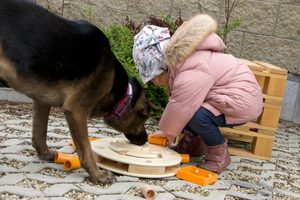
(59,62)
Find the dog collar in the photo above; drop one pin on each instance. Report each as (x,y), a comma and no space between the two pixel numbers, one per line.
(123,106)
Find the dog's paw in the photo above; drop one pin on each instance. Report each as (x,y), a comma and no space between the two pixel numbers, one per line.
(105,178)
(49,156)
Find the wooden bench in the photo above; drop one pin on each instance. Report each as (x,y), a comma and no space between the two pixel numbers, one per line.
(261,134)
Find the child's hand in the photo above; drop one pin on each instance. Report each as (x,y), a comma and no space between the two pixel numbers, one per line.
(161,133)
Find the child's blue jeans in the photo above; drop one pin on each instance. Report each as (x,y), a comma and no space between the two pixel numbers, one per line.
(205,124)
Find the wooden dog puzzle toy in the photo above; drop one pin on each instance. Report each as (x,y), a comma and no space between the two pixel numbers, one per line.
(149,161)
(197,175)
(70,161)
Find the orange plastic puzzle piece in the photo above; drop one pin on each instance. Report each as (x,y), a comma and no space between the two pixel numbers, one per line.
(197,175)
(185,158)
(157,140)
(70,161)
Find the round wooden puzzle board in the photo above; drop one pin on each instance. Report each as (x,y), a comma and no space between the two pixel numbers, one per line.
(120,156)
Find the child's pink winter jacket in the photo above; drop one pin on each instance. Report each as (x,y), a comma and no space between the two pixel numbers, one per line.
(200,75)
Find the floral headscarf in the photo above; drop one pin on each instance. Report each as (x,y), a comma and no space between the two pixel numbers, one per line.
(148,54)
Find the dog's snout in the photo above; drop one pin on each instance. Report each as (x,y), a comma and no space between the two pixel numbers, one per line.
(138,139)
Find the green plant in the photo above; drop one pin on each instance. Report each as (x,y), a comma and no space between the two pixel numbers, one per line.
(88,13)
(121,42)
(228,28)
(157,95)
(229,6)
(166,21)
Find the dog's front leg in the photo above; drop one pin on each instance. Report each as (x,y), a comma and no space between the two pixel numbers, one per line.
(39,130)
(77,121)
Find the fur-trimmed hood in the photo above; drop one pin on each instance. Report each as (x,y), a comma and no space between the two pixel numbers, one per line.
(189,36)
(200,75)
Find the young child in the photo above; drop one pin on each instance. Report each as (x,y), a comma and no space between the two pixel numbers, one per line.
(207,88)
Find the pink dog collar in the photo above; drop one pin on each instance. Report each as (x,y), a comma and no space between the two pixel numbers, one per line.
(123,106)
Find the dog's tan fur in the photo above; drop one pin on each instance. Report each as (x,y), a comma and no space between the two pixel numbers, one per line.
(68,64)
(77,100)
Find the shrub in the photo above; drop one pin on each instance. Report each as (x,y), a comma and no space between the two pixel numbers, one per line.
(121,41)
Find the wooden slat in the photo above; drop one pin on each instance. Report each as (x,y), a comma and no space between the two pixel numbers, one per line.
(252,65)
(262,146)
(272,68)
(237,137)
(248,133)
(273,106)
(268,74)
(242,152)
(258,126)
(273,102)
(272,97)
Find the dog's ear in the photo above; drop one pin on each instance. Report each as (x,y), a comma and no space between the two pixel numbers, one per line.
(144,109)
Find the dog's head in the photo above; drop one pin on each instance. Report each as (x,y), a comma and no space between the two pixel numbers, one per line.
(133,121)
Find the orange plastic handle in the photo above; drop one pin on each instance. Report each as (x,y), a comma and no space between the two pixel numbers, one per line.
(60,158)
(197,175)
(72,163)
(157,140)
(185,158)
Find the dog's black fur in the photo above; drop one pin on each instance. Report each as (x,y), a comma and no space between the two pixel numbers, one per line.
(59,62)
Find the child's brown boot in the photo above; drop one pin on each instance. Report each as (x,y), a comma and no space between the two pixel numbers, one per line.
(217,158)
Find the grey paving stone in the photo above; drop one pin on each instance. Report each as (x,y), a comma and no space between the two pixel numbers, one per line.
(93,130)
(72,178)
(119,197)
(284,192)
(220,184)
(64,129)
(22,158)
(66,149)
(165,196)
(20,191)
(62,143)
(116,188)
(236,159)
(19,128)
(11,142)
(11,179)
(7,169)
(191,196)
(55,135)
(269,166)
(127,178)
(23,135)
(283,168)
(15,148)
(36,167)
(2,134)
(59,190)
(16,121)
